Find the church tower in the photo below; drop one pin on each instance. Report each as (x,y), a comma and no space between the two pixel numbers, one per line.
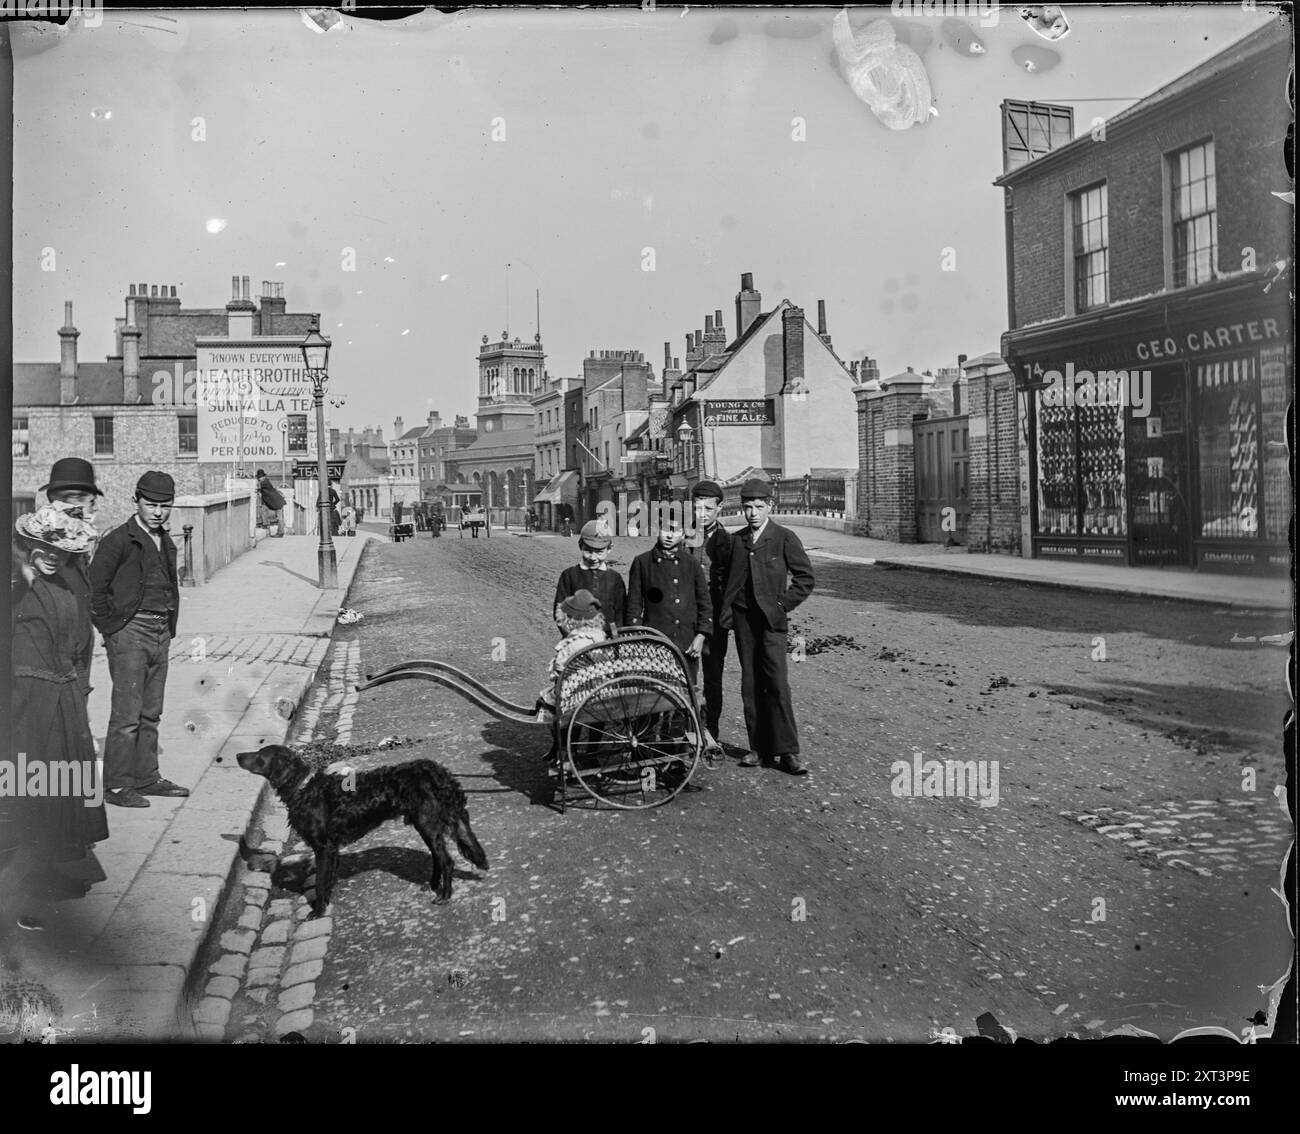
(510,373)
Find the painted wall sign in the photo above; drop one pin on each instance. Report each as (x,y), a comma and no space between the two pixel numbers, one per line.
(738,411)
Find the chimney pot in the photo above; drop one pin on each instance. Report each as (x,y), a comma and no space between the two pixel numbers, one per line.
(747,281)
(153,291)
(144,289)
(708,324)
(234,287)
(821,316)
(131,291)
(67,313)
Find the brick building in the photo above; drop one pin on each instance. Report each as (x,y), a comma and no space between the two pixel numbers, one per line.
(1150,333)
(557,422)
(617,386)
(136,410)
(775,397)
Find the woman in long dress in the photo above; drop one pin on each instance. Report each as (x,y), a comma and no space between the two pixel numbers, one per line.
(58,815)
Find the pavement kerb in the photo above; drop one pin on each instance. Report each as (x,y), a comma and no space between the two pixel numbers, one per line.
(1124,587)
(158,1020)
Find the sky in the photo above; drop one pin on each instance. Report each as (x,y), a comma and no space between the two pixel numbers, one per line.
(617,132)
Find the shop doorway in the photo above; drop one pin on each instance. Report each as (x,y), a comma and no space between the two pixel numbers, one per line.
(1158,481)
(941,452)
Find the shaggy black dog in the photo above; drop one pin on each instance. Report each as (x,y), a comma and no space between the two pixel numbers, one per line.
(329,811)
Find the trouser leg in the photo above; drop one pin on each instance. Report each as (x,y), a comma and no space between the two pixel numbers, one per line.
(712,665)
(778,708)
(127,666)
(747,644)
(155,684)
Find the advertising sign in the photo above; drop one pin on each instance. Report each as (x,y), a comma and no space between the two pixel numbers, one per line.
(254,402)
(739,411)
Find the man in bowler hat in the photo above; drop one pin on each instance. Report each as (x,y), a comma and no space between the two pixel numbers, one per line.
(769,576)
(134,600)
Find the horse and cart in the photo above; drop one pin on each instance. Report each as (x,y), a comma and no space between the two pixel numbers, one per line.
(627,723)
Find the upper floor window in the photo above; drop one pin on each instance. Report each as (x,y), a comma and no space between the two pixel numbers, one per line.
(103,436)
(187,433)
(22,438)
(1194,214)
(1091,247)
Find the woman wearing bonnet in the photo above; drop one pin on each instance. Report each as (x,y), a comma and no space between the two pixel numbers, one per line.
(59,815)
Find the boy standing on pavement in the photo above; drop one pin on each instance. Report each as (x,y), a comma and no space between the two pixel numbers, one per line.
(134,601)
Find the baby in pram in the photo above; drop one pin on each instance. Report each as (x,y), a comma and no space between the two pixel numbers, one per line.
(582,622)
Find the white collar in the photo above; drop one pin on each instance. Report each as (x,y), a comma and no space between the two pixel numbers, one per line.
(755,536)
(157,538)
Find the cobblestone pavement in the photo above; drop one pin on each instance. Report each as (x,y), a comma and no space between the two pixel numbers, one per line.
(1122,878)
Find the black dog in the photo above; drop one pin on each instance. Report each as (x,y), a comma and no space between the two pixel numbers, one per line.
(330,811)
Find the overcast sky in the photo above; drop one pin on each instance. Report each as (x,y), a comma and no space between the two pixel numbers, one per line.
(624,130)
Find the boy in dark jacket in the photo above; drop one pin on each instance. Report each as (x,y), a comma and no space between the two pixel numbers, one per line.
(134,601)
(593,574)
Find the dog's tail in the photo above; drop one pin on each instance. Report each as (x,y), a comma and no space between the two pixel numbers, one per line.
(468,844)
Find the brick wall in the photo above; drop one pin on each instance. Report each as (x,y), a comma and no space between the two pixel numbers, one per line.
(1246,115)
(887,480)
(144,437)
(994,463)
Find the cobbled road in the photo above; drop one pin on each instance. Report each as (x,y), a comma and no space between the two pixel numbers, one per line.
(1121,875)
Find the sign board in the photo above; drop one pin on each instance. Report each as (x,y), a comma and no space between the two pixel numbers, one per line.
(247,392)
(303,470)
(738,411)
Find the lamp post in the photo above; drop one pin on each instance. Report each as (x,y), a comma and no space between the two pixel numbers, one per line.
(315,356)
(392,496)
(684,435)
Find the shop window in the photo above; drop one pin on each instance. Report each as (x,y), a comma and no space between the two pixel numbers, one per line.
(1091,248)
(1081,470)
(187,434)
(21,437)
(103,436)
(1228,441)
(1195,215)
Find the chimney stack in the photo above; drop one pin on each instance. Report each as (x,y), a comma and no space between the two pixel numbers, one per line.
(131,351)
(792,339)
(821,324)
(748,304)
(67,357)
(397,428)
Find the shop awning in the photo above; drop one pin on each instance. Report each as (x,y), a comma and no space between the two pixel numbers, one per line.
(554,490)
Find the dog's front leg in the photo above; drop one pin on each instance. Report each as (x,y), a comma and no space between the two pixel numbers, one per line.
(326,858)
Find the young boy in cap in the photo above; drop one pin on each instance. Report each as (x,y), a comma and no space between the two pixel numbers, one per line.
(134,601)
(769,576)
(593,574)
(710,545)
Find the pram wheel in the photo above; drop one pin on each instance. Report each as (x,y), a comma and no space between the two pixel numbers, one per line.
(633,742)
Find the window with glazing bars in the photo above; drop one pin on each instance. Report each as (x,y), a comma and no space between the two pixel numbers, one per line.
(1091,248)
(187,434)
(103,436)
(1194,215)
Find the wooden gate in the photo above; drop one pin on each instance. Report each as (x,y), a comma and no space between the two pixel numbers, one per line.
(941,450)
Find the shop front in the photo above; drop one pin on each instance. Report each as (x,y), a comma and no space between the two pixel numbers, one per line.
(1157,430)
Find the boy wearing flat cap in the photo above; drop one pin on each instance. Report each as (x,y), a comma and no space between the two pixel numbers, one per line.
(710,545)
(134,600)
(593,574)
(769,576)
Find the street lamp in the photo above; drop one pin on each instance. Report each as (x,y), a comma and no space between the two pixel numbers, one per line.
(315,357)
(684,435)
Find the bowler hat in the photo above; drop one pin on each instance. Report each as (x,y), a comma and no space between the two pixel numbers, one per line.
(581,604)
(72,472)
(756,489)
(707,488)
(596,534)
(156,486)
